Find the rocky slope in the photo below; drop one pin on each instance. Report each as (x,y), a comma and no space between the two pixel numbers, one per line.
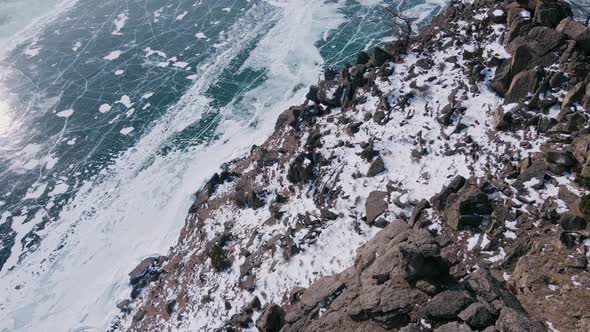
(458,166)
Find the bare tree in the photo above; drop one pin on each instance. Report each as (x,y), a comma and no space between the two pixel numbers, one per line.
(402,25)
(581,10)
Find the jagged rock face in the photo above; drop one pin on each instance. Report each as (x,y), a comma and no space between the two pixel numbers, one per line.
(470,211)
(380,293)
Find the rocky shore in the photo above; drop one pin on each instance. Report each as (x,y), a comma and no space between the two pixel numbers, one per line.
(436,186)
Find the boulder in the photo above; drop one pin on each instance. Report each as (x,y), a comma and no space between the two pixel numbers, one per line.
(362,58)
(369,151)
(550,12)
(501,82)
(301,169)
(124,306)
(379,57)
(517,23)
(488,288)
(329,93)
(468,208)
(288,118)
(447,304)
(245,198)
(148,270)
(271,319)
(420,258)
(326,214)
(417,212)
(576,31)
(312,93)
(453,327)
(439,201)
(572,222)
(377,167)
(536,170)
(542,40)
(497,16)
(425,63)
(477,315)
(523,84)
(582,148)
(321,290)
(560,157)
(511,320)
(376,205)
(573,95)
(522,58)
(502,119)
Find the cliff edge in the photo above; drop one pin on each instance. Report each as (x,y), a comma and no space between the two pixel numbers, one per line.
(436,186)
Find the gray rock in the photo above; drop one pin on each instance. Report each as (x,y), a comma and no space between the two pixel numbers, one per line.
(425,63)
(503,77)
(321,290)
(412,327)
(362,58)
(535,171)
(417,212)
(542,40)
(511,320)
(477,315)
(288,118)
(271,319)
(576,31)
(502,119)
(491,290)
(379,57)
(376,205)
(572,222)
(329,93)
(564,158)
(453,327)
(467,208)
(301,169)
(124,306)
(550,13)
(448,304)
(377,167)
(523,84)
(420,258)
(573,95)
(522,57)
(326,214)
(439,201)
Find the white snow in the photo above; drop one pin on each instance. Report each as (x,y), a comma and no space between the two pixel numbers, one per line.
(104,108)
(180,64)
(119,23)
(65,114)
(181,16)
(472,242)
(113,55)
(125,101)
(127,130)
